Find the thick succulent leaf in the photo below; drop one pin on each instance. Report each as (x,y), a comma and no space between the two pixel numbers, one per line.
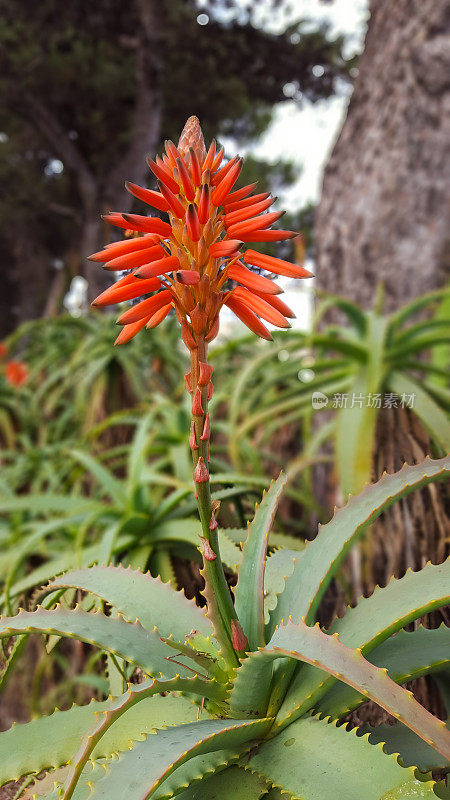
(329,654)
(233,783)
(436,421)
(413,751)
(141,597)
(314,759)
(406,655)
(140,771)
(321,557)
(120,709)
(230,554)
(377,617)
(125,639)
(249,592)
(278,568)
(43,789)
(51,741)
(112,486)
(250,692)
(389,609)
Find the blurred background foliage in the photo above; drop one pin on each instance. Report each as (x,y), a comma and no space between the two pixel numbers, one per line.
(94,454)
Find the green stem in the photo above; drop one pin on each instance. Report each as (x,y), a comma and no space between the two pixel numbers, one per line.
(221,607)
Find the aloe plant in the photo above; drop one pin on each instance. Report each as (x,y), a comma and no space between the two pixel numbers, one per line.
(200,726)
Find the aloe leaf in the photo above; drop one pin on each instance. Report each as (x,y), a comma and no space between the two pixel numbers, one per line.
(329,654)
(321,557)
(279,566)
(390,608)
(139,596)
(413,751)
(405,655)
(314,759)
(112,486)
(45,503)
(125,639)
(123,706)
(140,771)
(249,592)
(433,417)
(233,783)
(51,741)
(250,691)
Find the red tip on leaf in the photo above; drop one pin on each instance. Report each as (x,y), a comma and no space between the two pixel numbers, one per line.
(205,374)
(193,223)
(192,440)
(201,474)
(206,429)
(188,186)
(197,408)
(238,637)
(164,175)
(224,248)
(154,199)
(207,551)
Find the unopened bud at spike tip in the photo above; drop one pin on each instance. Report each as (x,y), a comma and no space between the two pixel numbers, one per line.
(201,474)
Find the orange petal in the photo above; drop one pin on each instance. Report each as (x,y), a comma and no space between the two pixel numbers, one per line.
(147,196)
(249,211)
(239,272)
(276,265)
(146,308)
(240,193)
(188,277)
(268,236)
(207,164)
(172,201)
(192,223)
(221,191)
(118,294)
(188,186)
(129,331)
(159,267)
(114,249)
(135,259)
(224,248)
(261,307)
(247,317)
(220,175)
(195,167)
(164,175)
(159,316)
(203,206)
(261,222)
(277,303)
(218,160)
(247,201)
(139,222)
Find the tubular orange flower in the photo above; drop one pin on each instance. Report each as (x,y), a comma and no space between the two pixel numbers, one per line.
(188,259)
(16,373)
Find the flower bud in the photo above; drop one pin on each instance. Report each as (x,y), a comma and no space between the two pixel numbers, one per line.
(201,474)
(238,637)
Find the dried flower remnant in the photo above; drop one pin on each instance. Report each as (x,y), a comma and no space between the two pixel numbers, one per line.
(185,263)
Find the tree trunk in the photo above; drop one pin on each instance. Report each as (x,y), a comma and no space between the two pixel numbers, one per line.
(385,210)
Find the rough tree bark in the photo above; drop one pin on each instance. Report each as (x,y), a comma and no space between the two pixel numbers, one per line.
(385,208)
